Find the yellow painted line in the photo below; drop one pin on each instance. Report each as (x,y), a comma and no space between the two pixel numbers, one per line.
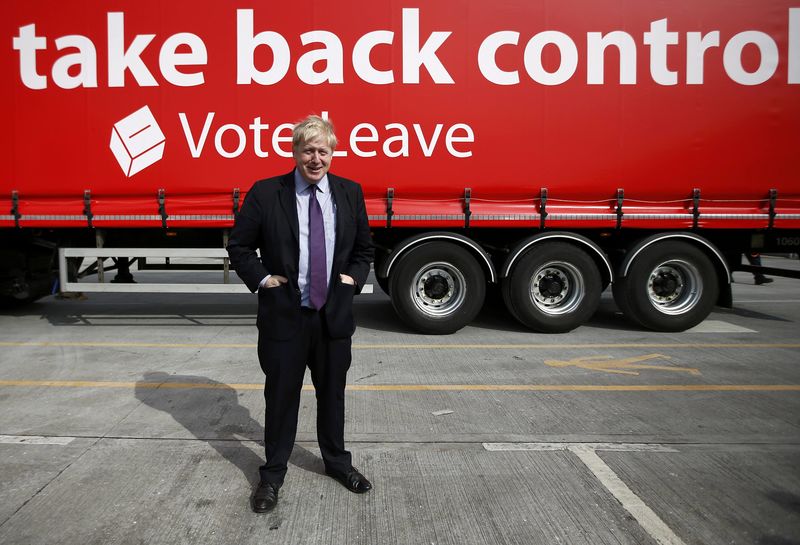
(453,346)
(124,345)
(119,384)
(580,387)
(578,346)
(422,387)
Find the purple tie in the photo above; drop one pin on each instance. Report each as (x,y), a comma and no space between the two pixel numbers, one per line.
(317,262)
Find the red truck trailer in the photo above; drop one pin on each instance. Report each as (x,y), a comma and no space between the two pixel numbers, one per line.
(546,148)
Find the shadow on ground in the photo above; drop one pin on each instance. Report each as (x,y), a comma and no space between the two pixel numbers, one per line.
(211,412)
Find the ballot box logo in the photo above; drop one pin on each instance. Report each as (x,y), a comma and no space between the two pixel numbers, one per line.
(137,141)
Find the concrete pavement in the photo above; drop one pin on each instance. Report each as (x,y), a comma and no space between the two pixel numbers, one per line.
(137,420)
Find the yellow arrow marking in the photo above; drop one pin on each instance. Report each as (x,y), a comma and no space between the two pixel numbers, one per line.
(620,366)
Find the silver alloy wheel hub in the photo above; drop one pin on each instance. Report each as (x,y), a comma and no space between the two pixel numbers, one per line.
(674,287)
(557,287)
(438,289)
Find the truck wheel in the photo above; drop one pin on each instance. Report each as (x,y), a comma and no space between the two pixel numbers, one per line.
(671,286)
(437,288)
(554,288)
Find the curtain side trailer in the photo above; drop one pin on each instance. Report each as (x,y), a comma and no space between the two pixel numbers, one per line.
(535,151)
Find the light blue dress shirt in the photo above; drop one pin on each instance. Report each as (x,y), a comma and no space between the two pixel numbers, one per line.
(302,195)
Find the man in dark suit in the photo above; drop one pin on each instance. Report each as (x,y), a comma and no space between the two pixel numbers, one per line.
(312,232)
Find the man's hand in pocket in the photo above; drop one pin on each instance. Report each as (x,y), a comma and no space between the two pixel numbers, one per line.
(275,280)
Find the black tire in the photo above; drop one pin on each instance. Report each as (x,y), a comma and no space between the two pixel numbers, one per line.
(11,303)
(437,287)
(670,286)
(562,267)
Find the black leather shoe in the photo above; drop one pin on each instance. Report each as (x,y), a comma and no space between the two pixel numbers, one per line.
(265,498)
(353,480)
(763,280)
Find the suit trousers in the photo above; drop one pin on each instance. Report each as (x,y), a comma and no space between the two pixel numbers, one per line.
(284,363)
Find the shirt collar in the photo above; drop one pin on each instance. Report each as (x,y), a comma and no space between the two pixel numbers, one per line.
(301,184)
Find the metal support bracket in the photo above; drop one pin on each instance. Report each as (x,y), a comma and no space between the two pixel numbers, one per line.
(87,207)
(99,242)
(467,211)
(620,198)
(235,201)
(226,262)
(695,207)
(99,254)
(15,208)
(162,209)
(542,206)
(773,199)
(389,203)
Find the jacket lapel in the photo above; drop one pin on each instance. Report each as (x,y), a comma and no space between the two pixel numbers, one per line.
(342,210)
(289,204)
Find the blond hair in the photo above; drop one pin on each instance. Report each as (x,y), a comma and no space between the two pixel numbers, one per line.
(313,127)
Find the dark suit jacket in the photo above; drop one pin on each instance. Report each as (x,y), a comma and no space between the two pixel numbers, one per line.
(268,221)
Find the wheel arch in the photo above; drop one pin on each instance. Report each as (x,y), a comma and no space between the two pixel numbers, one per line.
(725,298)
(595,252)
(385,267)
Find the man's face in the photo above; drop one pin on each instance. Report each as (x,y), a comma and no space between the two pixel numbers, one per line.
(313,159)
